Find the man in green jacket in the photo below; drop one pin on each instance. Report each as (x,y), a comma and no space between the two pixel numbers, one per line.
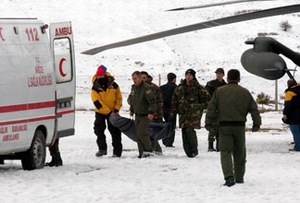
(231,104)
(188,101)
(211,87)
(158,114)
(143,104)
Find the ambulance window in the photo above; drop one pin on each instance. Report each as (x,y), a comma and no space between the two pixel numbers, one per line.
(63,60)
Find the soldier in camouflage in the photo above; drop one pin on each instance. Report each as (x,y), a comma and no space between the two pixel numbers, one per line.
(211,86)
(188,101)
(158,114)
(157,92)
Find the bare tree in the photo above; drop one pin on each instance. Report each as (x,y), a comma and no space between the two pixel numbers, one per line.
(285,25)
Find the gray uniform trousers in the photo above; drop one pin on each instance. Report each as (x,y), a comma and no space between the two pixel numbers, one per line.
(233,151)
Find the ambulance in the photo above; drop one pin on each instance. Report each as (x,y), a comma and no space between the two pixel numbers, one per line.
(37,88)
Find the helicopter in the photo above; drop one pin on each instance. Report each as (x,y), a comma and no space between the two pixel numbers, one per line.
(262,60)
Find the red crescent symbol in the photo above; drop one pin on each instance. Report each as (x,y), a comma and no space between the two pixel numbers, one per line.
(60,67)
(1,36)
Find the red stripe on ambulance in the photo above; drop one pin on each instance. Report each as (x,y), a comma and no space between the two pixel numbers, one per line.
(30,106)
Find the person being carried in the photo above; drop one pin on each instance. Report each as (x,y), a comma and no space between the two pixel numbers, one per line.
(107,99)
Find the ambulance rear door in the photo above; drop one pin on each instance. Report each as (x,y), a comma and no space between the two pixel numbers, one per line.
(62,47)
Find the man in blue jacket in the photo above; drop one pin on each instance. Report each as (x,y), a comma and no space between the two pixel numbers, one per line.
(291,111)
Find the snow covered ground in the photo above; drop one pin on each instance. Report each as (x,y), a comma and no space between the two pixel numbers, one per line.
(272,173)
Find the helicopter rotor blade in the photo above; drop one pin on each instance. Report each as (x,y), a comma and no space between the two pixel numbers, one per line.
(214,4)
(203,25)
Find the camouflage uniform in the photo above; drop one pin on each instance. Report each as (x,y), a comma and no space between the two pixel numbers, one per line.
(213,134)
(158,114)
(188,102)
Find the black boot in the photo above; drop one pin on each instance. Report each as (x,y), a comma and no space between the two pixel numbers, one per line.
(211,146)
(59,161)
(54,152)
(55,161)
(229,181)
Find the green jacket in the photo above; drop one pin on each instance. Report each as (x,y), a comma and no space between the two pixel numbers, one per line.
(212,85)
(231,104)
(189,102)
(142,99)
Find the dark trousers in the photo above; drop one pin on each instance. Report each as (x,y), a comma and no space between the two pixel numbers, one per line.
(168,142)
(233,151)
(54,149)
(99,128)
(189,141)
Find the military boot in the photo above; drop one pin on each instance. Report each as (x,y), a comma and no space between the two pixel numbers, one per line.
(55,161)
(229,181)
(211,146)
(55,154)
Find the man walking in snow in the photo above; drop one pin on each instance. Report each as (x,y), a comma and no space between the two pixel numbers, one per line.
(107,98)
(188,101)
(167,94)
(230,104)
(158,114)
(291,111)
(143,105)
(211,87)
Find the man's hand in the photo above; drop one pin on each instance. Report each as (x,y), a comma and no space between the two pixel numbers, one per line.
(150,117)
(284,119)
(131,113)
(255,128)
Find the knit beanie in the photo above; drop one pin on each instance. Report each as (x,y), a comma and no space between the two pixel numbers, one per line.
(192,72)
(101,71)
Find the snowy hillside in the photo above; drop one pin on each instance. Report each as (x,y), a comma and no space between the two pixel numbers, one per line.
(102,22)
(272,173)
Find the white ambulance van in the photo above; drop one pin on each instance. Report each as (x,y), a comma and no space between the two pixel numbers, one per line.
(37,88)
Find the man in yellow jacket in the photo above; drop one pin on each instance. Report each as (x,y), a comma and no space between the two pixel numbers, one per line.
(107,98)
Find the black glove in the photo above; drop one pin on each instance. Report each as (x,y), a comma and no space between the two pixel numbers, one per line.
(255,128)
(208,127)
